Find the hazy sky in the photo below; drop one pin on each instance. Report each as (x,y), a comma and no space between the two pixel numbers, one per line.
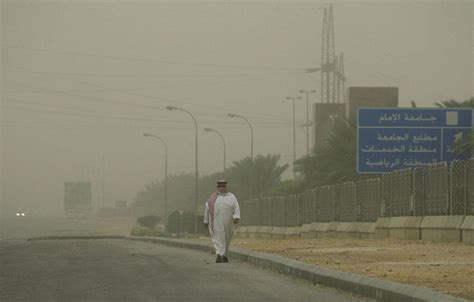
(82,80)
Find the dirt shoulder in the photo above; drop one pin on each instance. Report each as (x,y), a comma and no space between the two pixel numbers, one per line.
(447,268)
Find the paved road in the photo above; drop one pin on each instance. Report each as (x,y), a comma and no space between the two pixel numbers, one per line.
(121,270)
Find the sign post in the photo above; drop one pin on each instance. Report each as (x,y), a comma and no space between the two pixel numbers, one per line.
(398,138)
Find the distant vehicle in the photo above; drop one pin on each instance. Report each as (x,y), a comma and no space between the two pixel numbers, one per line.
(21,214)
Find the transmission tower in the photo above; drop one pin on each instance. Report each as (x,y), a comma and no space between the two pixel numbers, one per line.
(332,66)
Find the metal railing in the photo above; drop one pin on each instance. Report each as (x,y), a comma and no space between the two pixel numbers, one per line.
(435,189)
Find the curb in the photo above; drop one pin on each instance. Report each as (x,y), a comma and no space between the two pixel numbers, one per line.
(380,290)
(66,237)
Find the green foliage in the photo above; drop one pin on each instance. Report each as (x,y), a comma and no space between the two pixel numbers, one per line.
(149,221)
(333,162)
(288,187)
(143,231)
(184,223)
(246,178)
(253,179)
(456,104)
(465,145)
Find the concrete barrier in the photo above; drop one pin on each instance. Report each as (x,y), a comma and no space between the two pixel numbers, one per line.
(241,232)
(431,228)
(264,232)
(441,228)
(278,232)
(381,227)
(252,232)
(292,232)
(320,229)
(348,230)
(307,231)
(331,231)
(367,230)
(405,228)
(467,230)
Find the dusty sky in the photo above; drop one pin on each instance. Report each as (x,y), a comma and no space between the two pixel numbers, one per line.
(82,80)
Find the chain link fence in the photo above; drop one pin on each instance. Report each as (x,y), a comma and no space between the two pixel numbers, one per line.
(435,189)
(266,211)
(470,188)
(458,187)
(347,206)
(291,211)
(325,196)
(368,200)
(309,206)
(278,211)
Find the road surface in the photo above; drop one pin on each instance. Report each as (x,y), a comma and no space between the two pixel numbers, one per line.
(121,270)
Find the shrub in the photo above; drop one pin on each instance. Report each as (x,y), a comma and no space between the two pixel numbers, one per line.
(149,221)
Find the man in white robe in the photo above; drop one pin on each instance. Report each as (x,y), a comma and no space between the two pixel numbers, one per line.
(221,214)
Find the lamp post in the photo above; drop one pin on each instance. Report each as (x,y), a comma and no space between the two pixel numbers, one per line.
(221,136)
(166,172)
(294,131)
(232,115)
(197,171)
(250,184)
(307,92)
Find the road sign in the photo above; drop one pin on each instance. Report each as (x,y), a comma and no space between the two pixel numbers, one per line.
(398,138)
(77,195)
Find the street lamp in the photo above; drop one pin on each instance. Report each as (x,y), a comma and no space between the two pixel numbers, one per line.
(196,172)
(221,136)
(166,172)
(307,92)
(294,131)
(250,176)
(232,115)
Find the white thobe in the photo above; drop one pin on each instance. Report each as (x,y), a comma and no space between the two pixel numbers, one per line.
(226,209)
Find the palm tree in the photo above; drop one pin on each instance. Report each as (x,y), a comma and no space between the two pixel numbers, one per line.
(465,145)
(469,103)
(260,175)
(335,161)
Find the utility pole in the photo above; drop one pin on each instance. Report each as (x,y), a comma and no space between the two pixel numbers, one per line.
(294,131)
(307,92)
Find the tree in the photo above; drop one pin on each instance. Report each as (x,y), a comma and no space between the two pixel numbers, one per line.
(335,161)
(465,145)
(149,221)
(469,103)
(255,178)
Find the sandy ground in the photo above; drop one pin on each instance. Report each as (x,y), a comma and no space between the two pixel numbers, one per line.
(447,268)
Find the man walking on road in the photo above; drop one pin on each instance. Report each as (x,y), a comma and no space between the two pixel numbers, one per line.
(221,214)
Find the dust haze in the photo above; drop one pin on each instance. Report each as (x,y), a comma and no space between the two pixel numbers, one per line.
(83,80)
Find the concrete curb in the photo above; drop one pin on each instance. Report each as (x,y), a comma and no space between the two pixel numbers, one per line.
(73,237)
(381,290)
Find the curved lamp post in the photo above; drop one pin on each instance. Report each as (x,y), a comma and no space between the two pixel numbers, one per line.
(171,108)
(166,172)
(232,115)
(221,136)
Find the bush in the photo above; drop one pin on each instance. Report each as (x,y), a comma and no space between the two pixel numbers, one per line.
(149,221)
(185,223)
(144,231)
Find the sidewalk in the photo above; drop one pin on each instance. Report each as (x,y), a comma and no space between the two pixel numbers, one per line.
(447,268)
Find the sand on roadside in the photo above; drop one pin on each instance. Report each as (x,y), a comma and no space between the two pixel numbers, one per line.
(444,267)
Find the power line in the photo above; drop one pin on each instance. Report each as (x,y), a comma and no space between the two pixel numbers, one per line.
(148,60)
